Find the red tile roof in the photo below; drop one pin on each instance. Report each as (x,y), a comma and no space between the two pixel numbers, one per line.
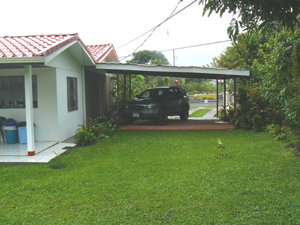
(34,45)
(99,51)
(46,44)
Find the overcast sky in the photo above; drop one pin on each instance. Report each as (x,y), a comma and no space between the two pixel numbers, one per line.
(119,21)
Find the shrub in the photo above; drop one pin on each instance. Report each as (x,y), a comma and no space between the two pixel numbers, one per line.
(246,122)
(84,136)
(278,132)
(257,123)
(229,114)
(95,130)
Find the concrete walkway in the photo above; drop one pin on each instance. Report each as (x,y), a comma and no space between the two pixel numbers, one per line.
(207,116)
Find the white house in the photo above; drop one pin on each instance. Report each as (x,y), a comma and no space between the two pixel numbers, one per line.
(50,81)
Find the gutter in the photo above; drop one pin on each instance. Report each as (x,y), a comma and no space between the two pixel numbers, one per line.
(23,60)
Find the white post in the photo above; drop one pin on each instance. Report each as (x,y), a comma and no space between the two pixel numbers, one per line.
(83,94)
(29,110)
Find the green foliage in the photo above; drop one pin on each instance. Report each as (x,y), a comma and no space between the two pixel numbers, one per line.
(257,123)
(245,122)
(229,114)
(271,95)
(149,57)
(95,130)
(137,85)
(255,14)
(196,86)
(281,77)
(278,132)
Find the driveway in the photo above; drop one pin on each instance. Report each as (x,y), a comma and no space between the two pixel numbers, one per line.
(207,122)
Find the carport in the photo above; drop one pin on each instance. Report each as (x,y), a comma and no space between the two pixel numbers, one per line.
(172,71)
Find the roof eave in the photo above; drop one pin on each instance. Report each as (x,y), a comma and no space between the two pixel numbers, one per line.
(23,60)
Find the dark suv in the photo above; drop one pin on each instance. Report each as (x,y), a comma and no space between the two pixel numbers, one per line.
(157,104)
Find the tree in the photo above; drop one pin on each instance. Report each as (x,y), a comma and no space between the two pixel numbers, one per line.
(149,57)
(256,14)
(152,58)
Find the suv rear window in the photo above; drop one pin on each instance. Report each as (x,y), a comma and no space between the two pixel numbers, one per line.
(153,93)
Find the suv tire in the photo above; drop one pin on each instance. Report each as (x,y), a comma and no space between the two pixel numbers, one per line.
(162,117)
(185,113)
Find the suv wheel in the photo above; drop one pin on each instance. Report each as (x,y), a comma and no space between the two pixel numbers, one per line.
(162,117)
(185,113)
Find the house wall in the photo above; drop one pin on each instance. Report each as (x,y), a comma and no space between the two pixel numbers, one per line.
(67,66)
(45,116)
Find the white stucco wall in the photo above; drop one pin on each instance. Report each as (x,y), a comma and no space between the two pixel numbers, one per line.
(67,66)
(45,116)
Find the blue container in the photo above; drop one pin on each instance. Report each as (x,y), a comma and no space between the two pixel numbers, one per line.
(10,122)
(11,136)
(22,135)
(10,131)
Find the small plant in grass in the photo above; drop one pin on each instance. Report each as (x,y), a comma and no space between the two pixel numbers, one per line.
(57,164)
(221,145)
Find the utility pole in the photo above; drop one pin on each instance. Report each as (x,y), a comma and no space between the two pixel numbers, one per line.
(168,34)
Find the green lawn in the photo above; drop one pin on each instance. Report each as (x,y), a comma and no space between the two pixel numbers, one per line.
(173,177)
(200,113)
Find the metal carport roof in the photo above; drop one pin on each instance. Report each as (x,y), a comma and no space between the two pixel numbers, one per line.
(172,71)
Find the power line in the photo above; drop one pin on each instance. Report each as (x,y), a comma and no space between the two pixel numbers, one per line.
(153,29)
(191,46)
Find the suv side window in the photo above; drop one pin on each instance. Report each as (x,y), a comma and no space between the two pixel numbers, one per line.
(178,92)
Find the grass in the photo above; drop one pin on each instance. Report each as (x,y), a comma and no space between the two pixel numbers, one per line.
(173,177)
(200,113)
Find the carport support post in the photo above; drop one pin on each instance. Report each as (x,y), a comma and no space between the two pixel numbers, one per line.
(217,98)
(224,99)
(234,98)
(118,99)
(129,86)
(124,88)
(29,109)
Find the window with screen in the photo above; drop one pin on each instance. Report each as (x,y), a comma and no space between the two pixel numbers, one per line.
(12,92)
(72,94)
